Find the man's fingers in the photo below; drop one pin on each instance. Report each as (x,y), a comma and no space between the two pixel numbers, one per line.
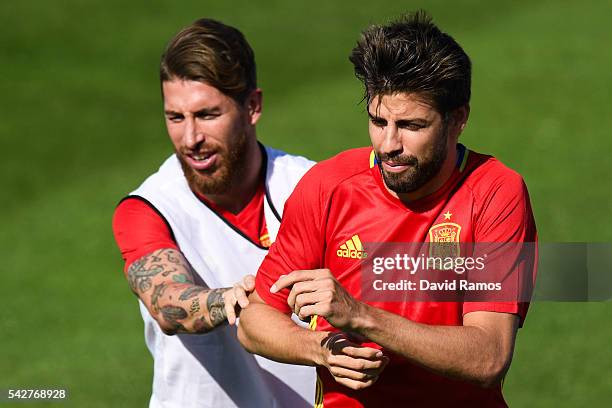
(287,280)
(309,294)
(363,352)
(298,289)
(353,384)
(298,276)
(309,310)
(352,374)
(248,283)
(358,364)
(241,295)
(230,304)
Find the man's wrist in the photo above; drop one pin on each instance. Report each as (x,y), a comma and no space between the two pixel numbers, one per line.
(316,350)
(361,319)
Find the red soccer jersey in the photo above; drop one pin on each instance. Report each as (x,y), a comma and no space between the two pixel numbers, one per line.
(139,229)
(343,202)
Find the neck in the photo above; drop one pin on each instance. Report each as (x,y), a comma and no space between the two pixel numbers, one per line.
(244,188)
(432,185)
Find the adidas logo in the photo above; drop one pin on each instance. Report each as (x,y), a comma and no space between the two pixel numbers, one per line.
(352,249)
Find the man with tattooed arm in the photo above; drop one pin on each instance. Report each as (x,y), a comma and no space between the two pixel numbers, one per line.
(194,233)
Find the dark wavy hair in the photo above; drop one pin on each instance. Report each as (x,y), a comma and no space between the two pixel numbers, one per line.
(412,55)
(211,52)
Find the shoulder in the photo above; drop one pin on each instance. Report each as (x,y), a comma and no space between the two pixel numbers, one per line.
(316,188)
(169,176)
(338,169)
(502,206)
(487,175)
(286,161)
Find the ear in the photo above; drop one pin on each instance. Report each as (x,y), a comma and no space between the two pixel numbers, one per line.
(459,118)
(254,104)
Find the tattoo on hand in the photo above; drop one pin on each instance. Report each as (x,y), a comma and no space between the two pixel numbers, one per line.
(215,303)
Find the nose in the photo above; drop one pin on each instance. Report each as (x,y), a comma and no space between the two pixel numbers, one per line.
(392,142)
(192,136)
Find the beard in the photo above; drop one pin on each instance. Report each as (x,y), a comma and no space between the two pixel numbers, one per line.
(421,170)
(229,167)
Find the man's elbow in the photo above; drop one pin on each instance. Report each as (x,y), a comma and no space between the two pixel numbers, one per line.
(493,372)
(172,327)
(245,341)
(243,333)
(166,327)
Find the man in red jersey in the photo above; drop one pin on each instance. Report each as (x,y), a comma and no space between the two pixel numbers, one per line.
(416,184)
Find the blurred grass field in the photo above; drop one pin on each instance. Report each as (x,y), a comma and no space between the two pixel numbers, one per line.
(82,126)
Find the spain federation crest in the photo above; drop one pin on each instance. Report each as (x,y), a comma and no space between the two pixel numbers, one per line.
(444,240)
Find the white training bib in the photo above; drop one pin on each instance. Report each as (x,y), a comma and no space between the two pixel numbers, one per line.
(213,370)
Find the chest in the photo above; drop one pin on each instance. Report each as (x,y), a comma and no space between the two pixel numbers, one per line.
(361,221)
(364,226)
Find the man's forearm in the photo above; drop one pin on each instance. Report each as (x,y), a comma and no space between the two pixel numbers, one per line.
(188,308)
(164,282)
(266,331)
(472,353)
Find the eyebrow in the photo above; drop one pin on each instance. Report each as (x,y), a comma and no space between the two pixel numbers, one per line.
(402,122)
(205,111)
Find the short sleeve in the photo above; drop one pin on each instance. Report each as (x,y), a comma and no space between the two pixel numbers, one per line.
(139,230)
(299,243)
(505,218)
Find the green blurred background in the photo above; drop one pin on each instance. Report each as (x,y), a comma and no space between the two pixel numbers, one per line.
(82,125)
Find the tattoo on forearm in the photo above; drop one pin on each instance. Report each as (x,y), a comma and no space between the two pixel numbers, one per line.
(168,272)
(142,270)
(215,303)
(139,276)
(157,293)
(173,258)
(191,292)
(187,306)
(172,314)
(195,306)
(181,278)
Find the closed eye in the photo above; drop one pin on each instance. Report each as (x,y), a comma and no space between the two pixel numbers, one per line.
(412,124)
(378,122)
(172,117)
(206,115)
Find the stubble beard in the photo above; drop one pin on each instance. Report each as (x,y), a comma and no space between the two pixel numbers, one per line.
(230,167)
(421,170)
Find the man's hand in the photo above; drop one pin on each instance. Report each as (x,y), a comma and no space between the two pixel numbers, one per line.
(350,364)
(317,292)
(236,297)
